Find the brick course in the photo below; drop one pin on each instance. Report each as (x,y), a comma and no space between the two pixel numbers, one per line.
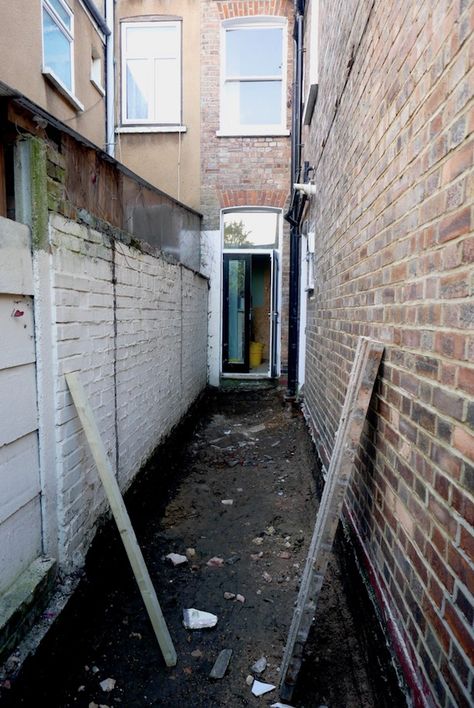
(391,141)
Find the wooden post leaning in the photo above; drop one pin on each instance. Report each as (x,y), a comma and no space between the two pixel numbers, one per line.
(122,518)
(361,382)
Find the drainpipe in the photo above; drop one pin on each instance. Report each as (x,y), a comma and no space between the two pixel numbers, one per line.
(110,81)
(295,208)
(106,26)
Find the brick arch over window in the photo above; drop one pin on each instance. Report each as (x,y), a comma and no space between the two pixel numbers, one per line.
(247,8)
(252,197)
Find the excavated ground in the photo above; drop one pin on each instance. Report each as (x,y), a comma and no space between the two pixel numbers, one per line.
(250,448)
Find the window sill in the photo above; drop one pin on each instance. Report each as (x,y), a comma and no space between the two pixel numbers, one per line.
(310,104)
(151,129)
(98,87)
(65,92)
(263,133)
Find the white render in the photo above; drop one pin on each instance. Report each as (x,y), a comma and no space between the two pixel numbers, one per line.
(211,266)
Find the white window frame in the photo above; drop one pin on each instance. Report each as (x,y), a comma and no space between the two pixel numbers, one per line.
(149,121)
(254,22)
(69,34)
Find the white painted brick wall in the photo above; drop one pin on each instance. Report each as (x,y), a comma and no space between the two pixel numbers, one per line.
(159,359)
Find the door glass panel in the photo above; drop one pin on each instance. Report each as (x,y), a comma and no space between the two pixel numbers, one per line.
(236,312)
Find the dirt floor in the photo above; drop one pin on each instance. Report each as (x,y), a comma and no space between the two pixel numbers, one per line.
(252,451)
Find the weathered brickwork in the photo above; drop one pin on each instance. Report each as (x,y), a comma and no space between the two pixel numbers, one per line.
(240,168)
(391,142)
(252,197)
(135,326)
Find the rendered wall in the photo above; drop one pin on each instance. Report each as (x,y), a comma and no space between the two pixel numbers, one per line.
(168,160)
(391,142)
(21,57)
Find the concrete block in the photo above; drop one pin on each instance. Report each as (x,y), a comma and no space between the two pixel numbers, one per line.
(23,603)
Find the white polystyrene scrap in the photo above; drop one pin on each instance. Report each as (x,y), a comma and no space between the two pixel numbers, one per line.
(259,688)
(280,705)
(176,558)
(198,619)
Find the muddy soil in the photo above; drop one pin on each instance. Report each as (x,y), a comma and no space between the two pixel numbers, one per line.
(250,450)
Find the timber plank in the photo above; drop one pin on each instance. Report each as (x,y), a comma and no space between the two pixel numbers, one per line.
(122,519)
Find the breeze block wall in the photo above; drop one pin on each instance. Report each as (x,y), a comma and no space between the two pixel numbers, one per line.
(391,142)
(241,170)
(134,327)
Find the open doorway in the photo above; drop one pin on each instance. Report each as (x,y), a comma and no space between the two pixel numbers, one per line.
(250,293)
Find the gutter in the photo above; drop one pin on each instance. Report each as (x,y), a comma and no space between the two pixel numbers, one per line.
(98,19)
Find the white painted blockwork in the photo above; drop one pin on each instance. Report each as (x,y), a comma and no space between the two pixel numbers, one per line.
(141,371)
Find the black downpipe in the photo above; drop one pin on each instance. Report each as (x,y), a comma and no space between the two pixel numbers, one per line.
(295,209)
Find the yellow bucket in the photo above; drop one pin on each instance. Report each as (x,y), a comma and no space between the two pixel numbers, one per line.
(256,351)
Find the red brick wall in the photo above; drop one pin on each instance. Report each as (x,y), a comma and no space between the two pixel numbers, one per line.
(239,171)
(391,141)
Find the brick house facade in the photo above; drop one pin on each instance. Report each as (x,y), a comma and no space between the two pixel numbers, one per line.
(242,170)
(391,145)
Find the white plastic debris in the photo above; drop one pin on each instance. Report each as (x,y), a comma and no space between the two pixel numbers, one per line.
(108,684)
(240,598)
(259,688)
(259,666)
(229,596)
(227,502)
(257,428)
(176,558)
(215,562)
(198,619)
(280,705)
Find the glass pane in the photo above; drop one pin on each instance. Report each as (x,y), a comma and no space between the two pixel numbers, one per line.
(158,41)
(254,52)
(253,103)
(61,12)
(168,91)
(251,229)
(236,312)
(139,89)
(57,50)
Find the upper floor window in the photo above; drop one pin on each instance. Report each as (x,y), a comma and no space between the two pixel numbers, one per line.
(58,42)
(254,76)
(151,73)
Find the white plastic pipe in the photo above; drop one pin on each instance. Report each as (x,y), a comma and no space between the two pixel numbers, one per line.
(110,81)
(306,188)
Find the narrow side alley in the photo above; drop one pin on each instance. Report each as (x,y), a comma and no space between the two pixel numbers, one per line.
(233,491)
